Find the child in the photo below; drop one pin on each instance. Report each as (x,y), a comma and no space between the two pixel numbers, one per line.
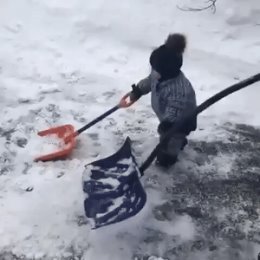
(172,95)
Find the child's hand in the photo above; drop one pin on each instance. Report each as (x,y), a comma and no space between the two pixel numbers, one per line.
(126,101)
(164,127)
(136,93)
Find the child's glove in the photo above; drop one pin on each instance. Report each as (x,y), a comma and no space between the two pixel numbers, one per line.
(164,127)
(136,93)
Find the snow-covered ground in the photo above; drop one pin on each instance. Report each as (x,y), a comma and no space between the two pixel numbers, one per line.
(69,61)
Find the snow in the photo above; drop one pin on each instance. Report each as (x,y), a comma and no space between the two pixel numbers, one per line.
(114,183)
(68,62)
(45,145)
(155,258)
(114,172)
(116,203)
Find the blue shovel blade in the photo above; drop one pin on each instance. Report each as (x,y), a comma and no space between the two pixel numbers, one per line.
(112,187)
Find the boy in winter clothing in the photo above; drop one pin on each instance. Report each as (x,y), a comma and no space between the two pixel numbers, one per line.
(172,95)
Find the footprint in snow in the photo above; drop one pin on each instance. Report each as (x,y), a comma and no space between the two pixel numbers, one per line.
(93,136)
(82,220)
(78,117)
(7,133)
(109,94)
(13,28)
(110,123)
(96,144)
(27,167)
(21,142)
(105,96)
(50,91)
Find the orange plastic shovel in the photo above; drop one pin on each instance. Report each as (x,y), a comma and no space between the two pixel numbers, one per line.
(68,134)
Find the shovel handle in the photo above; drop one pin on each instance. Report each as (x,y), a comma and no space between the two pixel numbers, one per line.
(124,103)
(110,111)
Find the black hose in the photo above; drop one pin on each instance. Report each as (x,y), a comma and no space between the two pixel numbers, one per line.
(242,84)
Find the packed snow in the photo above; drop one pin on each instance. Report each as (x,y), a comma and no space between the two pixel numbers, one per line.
(68,62)
(45,145)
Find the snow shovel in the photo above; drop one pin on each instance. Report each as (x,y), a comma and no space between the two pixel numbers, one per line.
(112,185)
(68,134)
(113,188)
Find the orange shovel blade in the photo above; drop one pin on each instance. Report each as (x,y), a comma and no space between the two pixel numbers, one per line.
(65,132)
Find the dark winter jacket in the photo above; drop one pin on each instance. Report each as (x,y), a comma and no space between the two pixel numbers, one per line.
(171,99)
(172,94)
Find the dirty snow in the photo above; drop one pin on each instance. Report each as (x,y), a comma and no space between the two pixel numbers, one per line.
(69,61)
